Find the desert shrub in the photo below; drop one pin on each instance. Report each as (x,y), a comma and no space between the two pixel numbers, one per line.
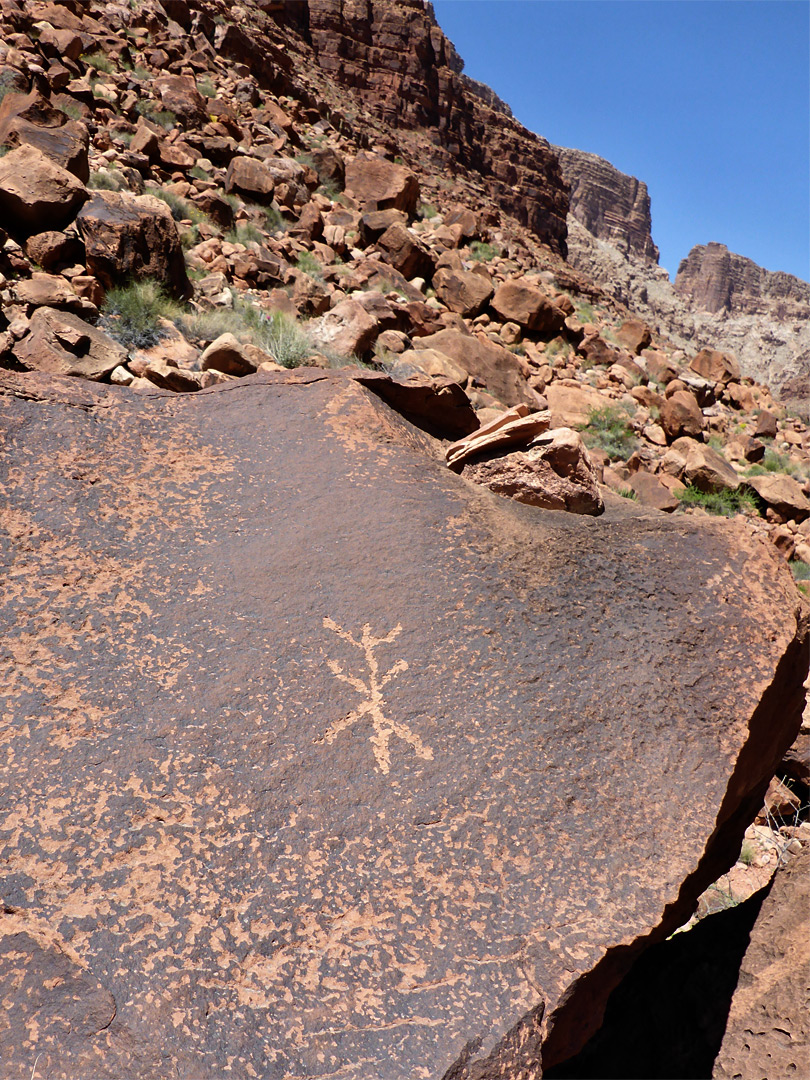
(182,209)
(71,110)
(164,117)
(308,264)
(280,335)
(748,853)
(584,312)
(106,180)
(99,61)
(206,86)
(774,462)
(556,348)
(329,189)
(198,173)
(426,211)
(286,339)
(800,570)
(132,313)
(609,429)
(482,252)
(274,220)
(628,493)
(245,232)
(724,503)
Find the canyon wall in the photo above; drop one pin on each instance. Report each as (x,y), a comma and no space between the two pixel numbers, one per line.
(611,205)
(397,61)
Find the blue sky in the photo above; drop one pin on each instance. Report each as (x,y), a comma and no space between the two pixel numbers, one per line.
(707,101)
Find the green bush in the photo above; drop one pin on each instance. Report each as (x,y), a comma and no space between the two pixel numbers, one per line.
(71,110)
(308,264)
(628,493)
(286,340)
(426,211)
(774,462)
(164,117)
(283,337)
(609,429)
(274,220)
(100,62)
(106,180)
(182,209)
(584,312)
(329,189)
(245,232)
(482,252)
(206,87)
(800,570)
(131,313)
(724,503)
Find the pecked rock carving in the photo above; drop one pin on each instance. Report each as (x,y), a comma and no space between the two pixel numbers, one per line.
(578,750)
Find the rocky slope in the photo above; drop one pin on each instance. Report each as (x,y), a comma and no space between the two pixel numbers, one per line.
(718,299)
(196,200)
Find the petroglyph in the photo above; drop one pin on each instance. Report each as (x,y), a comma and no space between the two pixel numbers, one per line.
(372,707)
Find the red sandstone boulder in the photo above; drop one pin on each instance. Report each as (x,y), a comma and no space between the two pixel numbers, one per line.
(782,493)
(132,236)
(767,1033)
(378,184)
(228,355)
(698,464)
(651,492)
(180,95)
(681,415)
(252,178)
(494,366)
(463,292)
(553,472)
(634,335)
(60,343)
(405,252)
(36,194)
(30,119)
(717,367)
(51,249)
(352,326)
(529,307)
(767,425)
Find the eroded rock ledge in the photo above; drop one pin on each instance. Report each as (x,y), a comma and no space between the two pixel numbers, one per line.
(322,761)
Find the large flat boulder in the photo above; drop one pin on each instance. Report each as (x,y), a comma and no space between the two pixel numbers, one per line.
(378,184)
(61,343)
(498,369)
(321,762)
(31,119)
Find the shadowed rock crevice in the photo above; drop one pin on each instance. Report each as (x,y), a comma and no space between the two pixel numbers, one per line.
(667,1016)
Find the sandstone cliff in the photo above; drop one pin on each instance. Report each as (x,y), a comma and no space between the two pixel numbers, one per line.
(611,205)
(395,59)
(713,278)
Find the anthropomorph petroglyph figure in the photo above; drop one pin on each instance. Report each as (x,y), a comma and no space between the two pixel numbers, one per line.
(372,707)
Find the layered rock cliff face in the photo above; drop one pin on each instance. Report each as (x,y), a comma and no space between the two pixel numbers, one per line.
(397,60)
(713,278)
(611,205)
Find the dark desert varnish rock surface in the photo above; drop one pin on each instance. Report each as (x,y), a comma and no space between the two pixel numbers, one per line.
(319,761)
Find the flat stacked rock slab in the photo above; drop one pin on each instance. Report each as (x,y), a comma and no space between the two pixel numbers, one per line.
(320,761)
